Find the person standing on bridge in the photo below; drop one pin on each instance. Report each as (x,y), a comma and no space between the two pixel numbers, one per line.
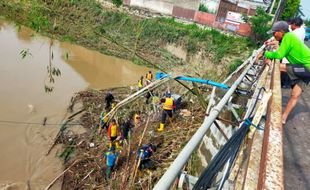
(298,55)
(296,27)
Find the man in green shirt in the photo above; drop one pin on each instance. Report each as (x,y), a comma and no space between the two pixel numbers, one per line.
(298,54)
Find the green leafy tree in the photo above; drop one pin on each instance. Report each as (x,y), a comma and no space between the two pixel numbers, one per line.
(260,25)
(290,10)
(117,3)
(307,22)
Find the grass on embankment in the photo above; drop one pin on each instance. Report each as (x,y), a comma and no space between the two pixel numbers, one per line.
(87,23)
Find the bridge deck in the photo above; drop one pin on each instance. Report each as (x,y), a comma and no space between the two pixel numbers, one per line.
(297,143)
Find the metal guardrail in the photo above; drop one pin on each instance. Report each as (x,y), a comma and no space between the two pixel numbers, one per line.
(174,170)
(271,173)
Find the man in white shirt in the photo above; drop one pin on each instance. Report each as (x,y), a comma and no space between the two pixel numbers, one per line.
(298,29)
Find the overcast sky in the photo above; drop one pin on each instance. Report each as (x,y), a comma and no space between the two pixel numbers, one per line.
(306,8)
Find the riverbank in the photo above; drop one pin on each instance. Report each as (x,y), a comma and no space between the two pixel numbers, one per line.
(24,138)
(141,40)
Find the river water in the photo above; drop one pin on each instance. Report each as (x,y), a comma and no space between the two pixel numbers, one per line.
(23,163)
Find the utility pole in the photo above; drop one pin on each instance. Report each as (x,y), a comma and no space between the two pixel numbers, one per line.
(271,7)
(279,11)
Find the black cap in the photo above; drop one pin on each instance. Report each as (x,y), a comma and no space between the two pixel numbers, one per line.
(278,26)
(297,21)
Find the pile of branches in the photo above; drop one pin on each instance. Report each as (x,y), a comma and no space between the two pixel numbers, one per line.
(83,154)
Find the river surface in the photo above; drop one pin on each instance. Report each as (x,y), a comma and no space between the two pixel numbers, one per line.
(23,164)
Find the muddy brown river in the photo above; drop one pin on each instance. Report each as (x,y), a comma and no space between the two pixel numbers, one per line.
(23,164)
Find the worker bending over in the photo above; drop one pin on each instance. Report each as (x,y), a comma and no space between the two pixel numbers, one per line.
(111,160)
(144,154)
(168,106)
(298,55)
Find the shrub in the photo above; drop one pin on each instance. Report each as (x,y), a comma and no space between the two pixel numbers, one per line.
(117,3)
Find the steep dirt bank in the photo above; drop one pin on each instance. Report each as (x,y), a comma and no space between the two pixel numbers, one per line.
(115,32)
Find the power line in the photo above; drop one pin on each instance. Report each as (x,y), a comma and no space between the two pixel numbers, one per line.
(33,123)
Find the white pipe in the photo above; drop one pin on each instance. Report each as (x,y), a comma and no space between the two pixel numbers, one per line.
(174,170)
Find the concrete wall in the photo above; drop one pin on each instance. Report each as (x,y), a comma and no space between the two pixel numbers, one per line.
(157,6)
(204,18)
(189,10)
(180,12)
(189,4)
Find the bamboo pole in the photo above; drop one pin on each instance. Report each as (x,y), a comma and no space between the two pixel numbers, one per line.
(136,165)
(52,183)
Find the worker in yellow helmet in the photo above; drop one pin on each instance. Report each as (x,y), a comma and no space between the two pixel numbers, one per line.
(140,83)
(149,77)
(168,106)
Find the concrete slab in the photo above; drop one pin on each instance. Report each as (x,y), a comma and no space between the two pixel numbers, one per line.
(297,142)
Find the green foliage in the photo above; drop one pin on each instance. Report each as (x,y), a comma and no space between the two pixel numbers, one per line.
(245,18)
(275,7)
(67,38)
(307,22)
(203,8)
(36,18)
(86,23)
(117,3)
(192,46)
(290,9)
(235,65)
(260,25)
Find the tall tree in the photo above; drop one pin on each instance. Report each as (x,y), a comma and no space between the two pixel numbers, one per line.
(260,25)
(290,9)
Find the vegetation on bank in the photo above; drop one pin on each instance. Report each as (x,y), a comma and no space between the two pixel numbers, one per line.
(112,32)
(260,25)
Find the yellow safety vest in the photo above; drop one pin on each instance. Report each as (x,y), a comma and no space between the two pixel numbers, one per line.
(140,85)
(168,105)
(149,76)
(113,131)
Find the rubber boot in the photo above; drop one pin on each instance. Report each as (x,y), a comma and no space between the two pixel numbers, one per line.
(161,127)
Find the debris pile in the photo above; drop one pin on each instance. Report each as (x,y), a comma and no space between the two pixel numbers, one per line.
(83,154)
